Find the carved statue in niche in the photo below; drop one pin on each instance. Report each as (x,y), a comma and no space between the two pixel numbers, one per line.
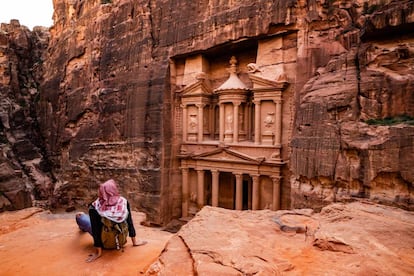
(241,121)
(269,120)
(229,121)
(192,123)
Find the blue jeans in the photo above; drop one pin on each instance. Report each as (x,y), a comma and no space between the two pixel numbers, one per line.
(84,222)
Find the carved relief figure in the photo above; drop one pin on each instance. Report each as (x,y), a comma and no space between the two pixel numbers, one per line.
(269,120)
(192,123)
(229,121)
(241,121)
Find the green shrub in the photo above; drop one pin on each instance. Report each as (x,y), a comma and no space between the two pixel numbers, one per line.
(370,8)
(388,121)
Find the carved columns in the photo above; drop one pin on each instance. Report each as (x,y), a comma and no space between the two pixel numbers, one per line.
(221,123)
(200,188)
(185,124)
(255,192)
(257,120)
(276,193)
(185,193)
(236,121)
(200,122)
(249,126)
(278,125)
(239,191)
(215,187)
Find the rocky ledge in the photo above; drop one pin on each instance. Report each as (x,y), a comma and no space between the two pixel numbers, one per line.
(359,238)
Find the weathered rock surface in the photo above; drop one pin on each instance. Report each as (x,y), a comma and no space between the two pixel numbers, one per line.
(105,108)
(337,153)
(25,177)
(34,241)
(344,239)
(107,100)
(359,238)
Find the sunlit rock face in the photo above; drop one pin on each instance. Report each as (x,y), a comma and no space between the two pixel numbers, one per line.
(354,238)
(108,100)
(25,177)
(354,123)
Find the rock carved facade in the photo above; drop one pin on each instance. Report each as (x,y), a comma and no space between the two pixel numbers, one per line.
(231,139)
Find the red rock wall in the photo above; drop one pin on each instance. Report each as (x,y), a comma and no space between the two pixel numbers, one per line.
(336,153)
(25,176)
(105,106)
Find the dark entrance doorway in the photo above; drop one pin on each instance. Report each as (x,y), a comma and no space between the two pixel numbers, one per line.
(226,190)
(247,192)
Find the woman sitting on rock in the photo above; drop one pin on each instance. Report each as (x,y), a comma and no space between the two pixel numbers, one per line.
(109,213)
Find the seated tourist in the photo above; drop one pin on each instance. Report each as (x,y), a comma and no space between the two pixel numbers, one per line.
(109,220)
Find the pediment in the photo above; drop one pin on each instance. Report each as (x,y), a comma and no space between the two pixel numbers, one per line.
(228,155)
(261,82)
(197,88)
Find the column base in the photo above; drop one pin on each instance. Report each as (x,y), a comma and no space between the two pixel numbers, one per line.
(267,139)
(228,138)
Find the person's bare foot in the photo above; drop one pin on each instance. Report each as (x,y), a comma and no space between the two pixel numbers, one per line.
(139,243)
(94,256)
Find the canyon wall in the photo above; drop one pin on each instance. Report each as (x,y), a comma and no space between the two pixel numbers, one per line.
(106,106)
(25,175)
(354,120)
(108,95)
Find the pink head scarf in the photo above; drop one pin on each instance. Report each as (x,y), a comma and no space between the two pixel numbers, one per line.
(108,194)
(109,203)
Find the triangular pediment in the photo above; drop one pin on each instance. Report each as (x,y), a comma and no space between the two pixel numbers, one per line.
(197,88)
(228,155)
(261,82)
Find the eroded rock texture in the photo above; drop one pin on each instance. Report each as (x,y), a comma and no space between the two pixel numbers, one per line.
(25,177)
(107,101)
(107,96)
(349,239)
(106,104)
(336,153)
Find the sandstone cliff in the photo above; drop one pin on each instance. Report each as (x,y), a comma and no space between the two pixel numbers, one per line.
(106,105)
(112,114)
(108,95)
(25,176)
(354,122)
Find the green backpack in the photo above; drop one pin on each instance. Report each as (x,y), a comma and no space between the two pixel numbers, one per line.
(114,235)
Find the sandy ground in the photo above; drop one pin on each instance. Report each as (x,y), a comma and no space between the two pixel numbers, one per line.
(37,242)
